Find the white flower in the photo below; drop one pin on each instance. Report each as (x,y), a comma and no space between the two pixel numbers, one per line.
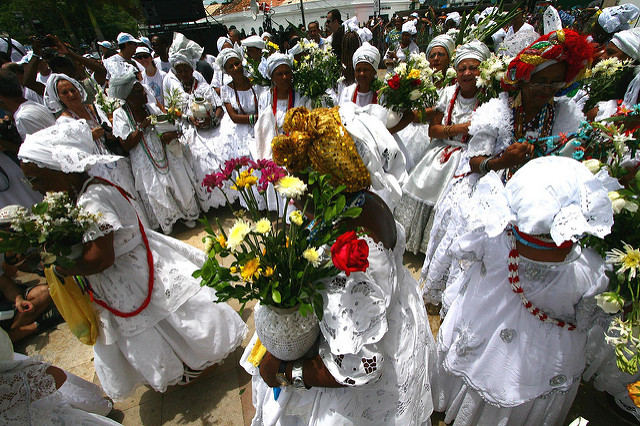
(290,187)
(415,94)
(312,256)
(263,226)
(610,302)
(451,73)
(593,165)
(238,231)
(618,205)
(481,82)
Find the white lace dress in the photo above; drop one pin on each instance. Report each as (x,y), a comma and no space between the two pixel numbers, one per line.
(431,176)
(161,177)
(205,149)
(375,339)
(491,133)
(182,323)
(497,364)
(241,137)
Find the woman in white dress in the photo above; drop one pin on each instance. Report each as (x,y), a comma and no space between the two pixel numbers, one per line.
(511,349)
(449,130)
(365,64)
(162,176)
(205,149)
(501,130)
(401,52)
(66,95)
(375,341)
(157,326)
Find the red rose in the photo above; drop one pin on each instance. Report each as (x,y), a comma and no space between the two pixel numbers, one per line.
(349,253)
(416,82)
(394,82)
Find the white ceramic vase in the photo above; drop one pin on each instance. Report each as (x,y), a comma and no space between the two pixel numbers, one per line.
(285,333)
(393,118)
(201,108)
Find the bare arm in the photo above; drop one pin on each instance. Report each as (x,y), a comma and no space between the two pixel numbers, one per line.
(135,137)
(237,118)
(99,71)
(97,255)
(315,372)
(440,131)
(516,154)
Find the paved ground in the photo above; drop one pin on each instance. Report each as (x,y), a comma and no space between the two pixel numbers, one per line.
(222,395)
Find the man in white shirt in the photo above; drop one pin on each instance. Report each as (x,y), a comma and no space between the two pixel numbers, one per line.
(314,33)
(127,45)
(161,49)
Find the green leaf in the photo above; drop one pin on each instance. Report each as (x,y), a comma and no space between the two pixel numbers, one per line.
(40,208)
(352,212)
(275,295)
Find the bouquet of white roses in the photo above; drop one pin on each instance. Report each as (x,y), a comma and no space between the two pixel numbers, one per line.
(491,72)
(317,72)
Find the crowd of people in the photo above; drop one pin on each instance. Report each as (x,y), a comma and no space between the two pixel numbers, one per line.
(132,134)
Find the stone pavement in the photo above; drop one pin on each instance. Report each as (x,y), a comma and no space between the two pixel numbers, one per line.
(222,395)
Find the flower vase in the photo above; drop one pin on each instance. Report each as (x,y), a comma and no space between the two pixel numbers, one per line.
(284,332)
(393,118)
(201,109)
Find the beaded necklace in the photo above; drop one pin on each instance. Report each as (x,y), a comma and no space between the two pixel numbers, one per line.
(194,86)
(255,99)
(449,150)
(374,100)
(514,280)
(274,105)
(161,165)
(102,149)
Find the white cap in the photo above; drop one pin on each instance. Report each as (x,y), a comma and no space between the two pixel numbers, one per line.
(142,49)
(106,44)
(126,37)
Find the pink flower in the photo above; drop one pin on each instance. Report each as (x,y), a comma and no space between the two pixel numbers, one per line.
(214,180)
(270,173)
(235,164)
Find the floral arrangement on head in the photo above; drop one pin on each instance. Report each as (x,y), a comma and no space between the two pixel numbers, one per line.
(52,227)
(317,72)
(489,81)
(606,146)
(280,259)
(411,86)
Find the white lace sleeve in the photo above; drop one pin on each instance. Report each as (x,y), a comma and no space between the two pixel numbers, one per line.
(444,99)
(491,128)
(568,116)
(21,384)
(121,125)
(588,313)
(354,322)
(93,201)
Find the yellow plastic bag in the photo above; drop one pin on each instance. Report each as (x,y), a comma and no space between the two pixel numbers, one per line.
(74,306)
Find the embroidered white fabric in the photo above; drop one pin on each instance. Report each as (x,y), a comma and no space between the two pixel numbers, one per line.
(375,339)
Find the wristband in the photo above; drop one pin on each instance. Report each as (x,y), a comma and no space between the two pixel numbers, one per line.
(296,375)
(484,166)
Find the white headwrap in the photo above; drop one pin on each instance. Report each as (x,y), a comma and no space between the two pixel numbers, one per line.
(472,50)
(277,59)
(409,27)
(226,54)
(184,51)
(222,41)
(548,195)
(453,16)
(629,42)
(66,146)
(443,40)
(253,41)
(266,34)
(51,97)
(617,18)
(121,83)
(367,53)
(551,20)
(351,24)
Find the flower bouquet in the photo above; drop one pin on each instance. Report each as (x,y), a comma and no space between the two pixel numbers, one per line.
(411,86)
(165,123)
(280,259)
(602,79)
(317,72)
(491,72)
(107,104)
(54,227)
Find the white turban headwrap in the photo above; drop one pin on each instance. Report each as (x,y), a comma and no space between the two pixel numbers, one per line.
(222,41)
(617,18)
(409,27)
(629,42)
(253,41)
(277,59)
(453,16)
(266,34)
(121,83)
(226,54)
(548,195)
(51,97)
(472,50)
(443,40)
(184,51)
(351,24)
(66,146)
(367,53)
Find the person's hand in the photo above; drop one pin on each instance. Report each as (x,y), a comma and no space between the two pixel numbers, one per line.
(168,137)
(23,305)
(97,132)
(36,45)
(202,124)
(268,369)
(60,47)
(516,154)
(146,123)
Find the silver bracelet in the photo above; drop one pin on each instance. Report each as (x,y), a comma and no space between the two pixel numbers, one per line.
(484,166)
(296,375)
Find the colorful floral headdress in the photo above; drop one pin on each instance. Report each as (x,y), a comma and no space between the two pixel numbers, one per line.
(560,46)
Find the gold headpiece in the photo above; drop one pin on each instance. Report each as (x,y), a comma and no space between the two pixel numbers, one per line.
(318,138)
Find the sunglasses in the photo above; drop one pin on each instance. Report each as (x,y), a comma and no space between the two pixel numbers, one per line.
(143,56)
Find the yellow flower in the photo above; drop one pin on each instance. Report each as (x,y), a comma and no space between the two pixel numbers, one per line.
(237,233)
(263,226)
(233,269)
(250,269)
(290,187)
(222,240)
(296,217)
(414,73)
(628,259)
(268,271)
(312,256)
(286,243)
(245,180)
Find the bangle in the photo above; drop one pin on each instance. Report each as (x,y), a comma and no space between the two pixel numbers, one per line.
(36,56)
(140,128)
(484,166)
(296,375)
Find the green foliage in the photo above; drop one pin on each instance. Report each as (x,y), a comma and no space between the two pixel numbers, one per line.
(317,72)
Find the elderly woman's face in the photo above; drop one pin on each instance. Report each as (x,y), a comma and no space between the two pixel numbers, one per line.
(612,51)
(184,73)
(137,97)
(282,76)
(467,72)
(68,93)
(405,39)
(439,59)
(233,67)
(44,180)
(364,74)
(543,86)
